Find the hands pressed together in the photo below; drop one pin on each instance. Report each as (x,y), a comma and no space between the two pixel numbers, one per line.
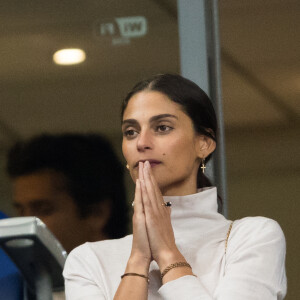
(153,239)
(153,236)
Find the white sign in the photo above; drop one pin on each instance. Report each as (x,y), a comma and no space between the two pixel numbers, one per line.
(124,29)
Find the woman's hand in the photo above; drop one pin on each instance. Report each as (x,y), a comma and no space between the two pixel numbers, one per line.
(158,220)
(140,252)
(136,287)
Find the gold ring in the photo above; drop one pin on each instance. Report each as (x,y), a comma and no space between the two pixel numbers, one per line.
(167,204)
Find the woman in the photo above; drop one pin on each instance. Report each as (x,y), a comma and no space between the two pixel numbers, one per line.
(181,247)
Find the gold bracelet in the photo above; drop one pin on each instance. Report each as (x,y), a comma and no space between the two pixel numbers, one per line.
(172,266)
(136,274)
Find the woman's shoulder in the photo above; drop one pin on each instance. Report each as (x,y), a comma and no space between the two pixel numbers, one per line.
(102,249)
(255,230)
(256,256)
(87,265)
(256,224)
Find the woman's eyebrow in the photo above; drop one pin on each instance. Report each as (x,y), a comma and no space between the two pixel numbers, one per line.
(155,118)
(152,119)
(129,122)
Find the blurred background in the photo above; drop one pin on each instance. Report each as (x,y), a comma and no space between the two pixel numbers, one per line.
(260,64)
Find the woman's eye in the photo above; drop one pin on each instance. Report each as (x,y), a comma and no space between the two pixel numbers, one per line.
(163,128)
(130,133)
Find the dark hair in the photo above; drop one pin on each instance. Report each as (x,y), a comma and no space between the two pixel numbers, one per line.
(90,167)
(193,100)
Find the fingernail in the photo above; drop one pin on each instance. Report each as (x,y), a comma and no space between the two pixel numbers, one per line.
(147,164)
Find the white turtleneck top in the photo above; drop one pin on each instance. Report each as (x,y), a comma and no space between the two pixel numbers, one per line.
(252,266)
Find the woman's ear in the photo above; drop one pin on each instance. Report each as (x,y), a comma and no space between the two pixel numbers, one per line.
(205,146)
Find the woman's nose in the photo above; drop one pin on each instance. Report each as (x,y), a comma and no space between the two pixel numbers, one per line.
(144,141)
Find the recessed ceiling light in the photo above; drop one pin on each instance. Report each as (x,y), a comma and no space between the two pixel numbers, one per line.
(69,56)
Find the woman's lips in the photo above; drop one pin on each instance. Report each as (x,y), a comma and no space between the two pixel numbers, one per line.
(152,162)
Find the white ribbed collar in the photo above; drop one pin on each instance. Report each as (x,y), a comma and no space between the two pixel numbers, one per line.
(196,212)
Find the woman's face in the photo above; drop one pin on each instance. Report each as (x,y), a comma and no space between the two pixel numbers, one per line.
(156,129)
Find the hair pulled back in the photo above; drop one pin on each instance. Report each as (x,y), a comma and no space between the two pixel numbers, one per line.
(193,100)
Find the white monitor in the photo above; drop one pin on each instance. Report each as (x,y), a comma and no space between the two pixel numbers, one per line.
(36,252)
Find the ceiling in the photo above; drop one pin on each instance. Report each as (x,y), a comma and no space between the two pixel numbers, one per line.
(259,49)
(260,62)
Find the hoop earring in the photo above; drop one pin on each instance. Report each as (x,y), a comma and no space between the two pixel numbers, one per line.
(203,167)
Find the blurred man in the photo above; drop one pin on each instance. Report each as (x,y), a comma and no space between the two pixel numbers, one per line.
(73,183)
